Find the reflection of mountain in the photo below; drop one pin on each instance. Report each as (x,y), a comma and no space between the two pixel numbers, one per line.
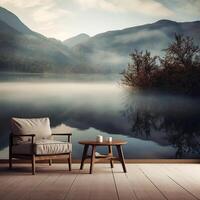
(79,105)
(21,49)
(160,119)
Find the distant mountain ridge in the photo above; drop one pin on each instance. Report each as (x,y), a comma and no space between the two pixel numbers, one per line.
(13,21)
(79,39)
(24,50)
(112,48)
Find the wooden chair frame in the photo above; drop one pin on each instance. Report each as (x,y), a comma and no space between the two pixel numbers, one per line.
(33,157)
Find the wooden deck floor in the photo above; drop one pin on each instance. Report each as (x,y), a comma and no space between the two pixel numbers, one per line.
(143,181)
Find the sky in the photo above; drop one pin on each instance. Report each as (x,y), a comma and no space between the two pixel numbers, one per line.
(62,19)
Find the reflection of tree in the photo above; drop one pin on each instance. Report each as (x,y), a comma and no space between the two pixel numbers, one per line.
(180,129)
(183,132)
(144,122)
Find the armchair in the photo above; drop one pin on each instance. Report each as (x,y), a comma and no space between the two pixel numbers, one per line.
(32,139)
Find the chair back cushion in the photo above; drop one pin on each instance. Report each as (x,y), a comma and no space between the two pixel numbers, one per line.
(38,126)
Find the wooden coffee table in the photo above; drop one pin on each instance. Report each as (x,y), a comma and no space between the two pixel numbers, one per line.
(94,158)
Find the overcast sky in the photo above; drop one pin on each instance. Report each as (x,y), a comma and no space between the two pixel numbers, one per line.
(62,19)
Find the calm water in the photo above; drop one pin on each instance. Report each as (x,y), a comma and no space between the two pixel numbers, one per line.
(155,125)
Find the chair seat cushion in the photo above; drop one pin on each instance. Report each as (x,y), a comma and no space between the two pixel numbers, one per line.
(43,147)
(46,147)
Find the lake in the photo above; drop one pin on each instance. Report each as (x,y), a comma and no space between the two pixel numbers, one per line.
(155,125)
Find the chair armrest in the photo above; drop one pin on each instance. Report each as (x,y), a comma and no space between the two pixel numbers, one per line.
(11,141)
(64,134)
(28,135)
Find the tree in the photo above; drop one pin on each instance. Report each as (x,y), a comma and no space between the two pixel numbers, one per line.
(178,71)
(139,72)
(181,66)
(182,53)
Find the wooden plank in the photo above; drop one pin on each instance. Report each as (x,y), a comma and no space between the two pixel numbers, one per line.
(124,189)
(25,182)
(189,180)
(104,184)
(49,183)
(143,181)
(99,185)
(23,187)
(55,186)
(141,185)
(10,179)
(7,185)
(168,187)
(191,170)
(131,161)
(52,188)
(7,181)
(82,185)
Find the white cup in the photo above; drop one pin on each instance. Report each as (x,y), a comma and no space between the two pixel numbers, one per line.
(109,139)
(99,138)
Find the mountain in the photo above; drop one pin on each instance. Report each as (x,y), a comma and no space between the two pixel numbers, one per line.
(24,50)
(5,28)
(79,39)
(13,21)
(109,51)
(30,53)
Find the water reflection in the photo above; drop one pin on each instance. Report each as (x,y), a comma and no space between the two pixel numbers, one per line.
(167,120)
(156,126)
(80,105)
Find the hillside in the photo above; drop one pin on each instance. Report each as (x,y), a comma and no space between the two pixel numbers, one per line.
(24,50)
(79,39)
(110,50)
(13,21)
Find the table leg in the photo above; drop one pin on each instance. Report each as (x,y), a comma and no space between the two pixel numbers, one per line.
(111,153)
(85,150)
(121,157)
(92,158)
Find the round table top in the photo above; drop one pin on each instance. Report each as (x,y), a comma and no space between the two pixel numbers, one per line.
(104,143)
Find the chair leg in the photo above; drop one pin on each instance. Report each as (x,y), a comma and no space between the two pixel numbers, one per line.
(111,154)
(10,161)
(10,151)
(70,161)
(33,165)
(50,162)
(92,161)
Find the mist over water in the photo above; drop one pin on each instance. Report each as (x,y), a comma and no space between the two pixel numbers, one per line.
(155,125)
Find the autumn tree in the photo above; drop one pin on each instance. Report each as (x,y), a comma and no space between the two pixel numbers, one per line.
(140,70)
(177,71)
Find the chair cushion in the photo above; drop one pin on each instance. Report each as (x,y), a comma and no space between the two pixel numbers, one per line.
(43,147)
(46,147)
(38,126)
